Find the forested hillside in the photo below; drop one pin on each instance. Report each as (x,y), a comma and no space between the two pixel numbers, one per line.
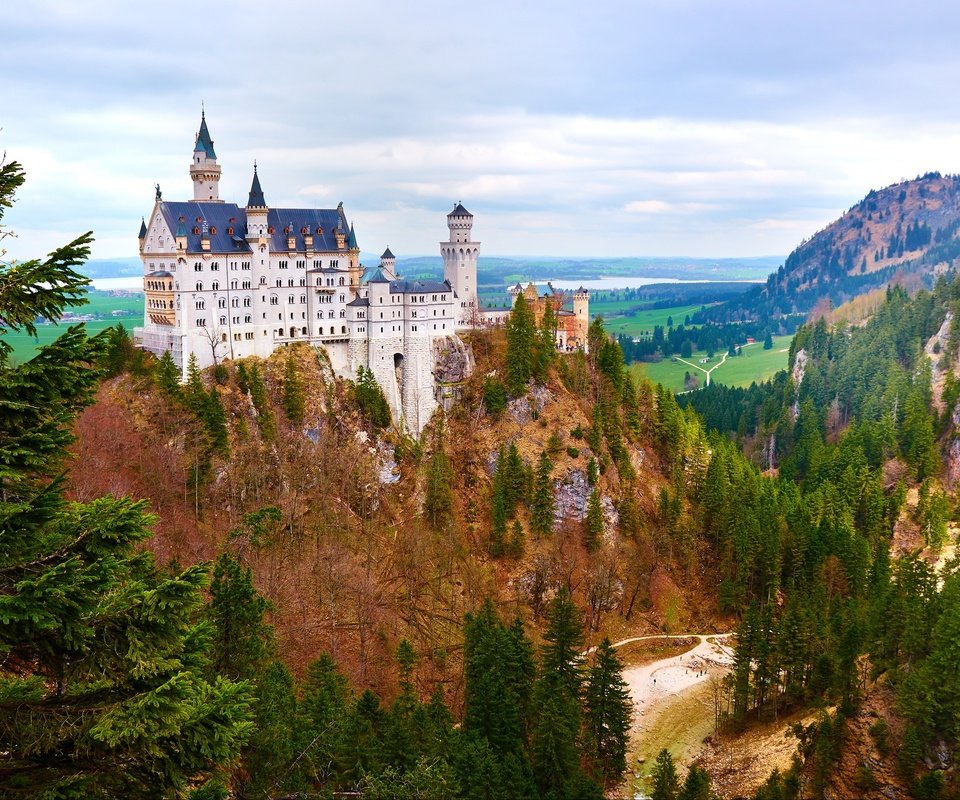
(316,602)
(906,231)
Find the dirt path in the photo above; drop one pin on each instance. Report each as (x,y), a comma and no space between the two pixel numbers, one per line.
(673,698)
(705,371)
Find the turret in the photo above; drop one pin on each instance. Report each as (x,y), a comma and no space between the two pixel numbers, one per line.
(581,310)
(388,264)
(181,235)
(143,232)
(256,209)
(204,169)
(460,255)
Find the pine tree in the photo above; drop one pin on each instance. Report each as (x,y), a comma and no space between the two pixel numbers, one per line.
(370,398)
(168,376)
(521,347)
(768,341)
(102,682)
(554,752)
(546,343)
(267,759)
(515,546)
(594,521)
(607,715)
(321,716)
(696,786)
(294,393)
(215,422)
(194,392)
(542,503)
(666,784)
(438,497)
(241,642)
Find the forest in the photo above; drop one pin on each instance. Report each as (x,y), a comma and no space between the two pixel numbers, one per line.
(274,620)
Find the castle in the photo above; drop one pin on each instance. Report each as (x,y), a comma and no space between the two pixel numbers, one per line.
(224,281)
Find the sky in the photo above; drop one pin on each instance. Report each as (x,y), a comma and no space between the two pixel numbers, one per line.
(579,129)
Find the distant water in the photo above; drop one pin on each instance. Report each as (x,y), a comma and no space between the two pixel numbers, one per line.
(110,284)
(625,282)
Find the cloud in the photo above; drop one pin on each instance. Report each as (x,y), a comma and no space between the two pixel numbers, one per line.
(644,128)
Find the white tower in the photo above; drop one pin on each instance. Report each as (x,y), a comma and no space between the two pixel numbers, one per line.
(460,255)
(204,169)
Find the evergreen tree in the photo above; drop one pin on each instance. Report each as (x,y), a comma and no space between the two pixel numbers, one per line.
(554,752)
(594,521)
(607,715)
(370,398)
(194,392)
(261,403)
(666,784)
(494,396)
(168,376)
(768,341)
(215,421)
(241,641)
(521,346)
(696,786)
(438,498)
(268,757)
(546,343)
(102,681)
(542,503)
(321,716)
(294,392)
(515,546)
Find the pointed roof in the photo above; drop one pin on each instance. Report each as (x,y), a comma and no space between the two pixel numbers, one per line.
(352,239)
(204,142)
(387,254)
(582,290)
(143,228)
(459,211)
(181,227)
(256,193)
(379,277)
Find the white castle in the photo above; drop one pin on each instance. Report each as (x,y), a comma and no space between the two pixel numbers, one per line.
(225,282)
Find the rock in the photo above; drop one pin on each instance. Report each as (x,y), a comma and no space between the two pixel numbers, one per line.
(528,407)
(570,497)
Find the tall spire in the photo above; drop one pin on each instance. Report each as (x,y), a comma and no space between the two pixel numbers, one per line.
(256,193)
(352,239)
(204,142)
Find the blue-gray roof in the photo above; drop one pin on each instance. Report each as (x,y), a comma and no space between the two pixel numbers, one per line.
(204,142)
(414,287)
(459,211)
(352,239)
(387,254)
(378,277)
(220,217)
(143,228)
(359,301)
(160,273)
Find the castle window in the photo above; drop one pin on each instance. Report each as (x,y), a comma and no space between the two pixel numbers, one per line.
(341,281)
(301,264)
(246,302)
(290,298)
(246,284)
(283,264)
(303,331)
(213,230)
(201,323)
(215,266)
(414,327)
(223,320)
(215,285)
(200,304)
(247,319)
(233,284)
(342,313)
(290,282)
(279,282)
(343,329)
(270,230)
(235,302)
(197,267)
(236,320)
(263,280)
(316,265)
(303,281)
(303,298)
(245,265)
(274,300)
(199,286)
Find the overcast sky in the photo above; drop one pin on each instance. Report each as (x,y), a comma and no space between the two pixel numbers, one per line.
(581,129)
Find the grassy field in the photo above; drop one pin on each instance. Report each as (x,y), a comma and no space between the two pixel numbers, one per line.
(99,304)
(641,323)
(753,365)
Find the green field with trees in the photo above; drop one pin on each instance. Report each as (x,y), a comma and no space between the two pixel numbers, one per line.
(754,364)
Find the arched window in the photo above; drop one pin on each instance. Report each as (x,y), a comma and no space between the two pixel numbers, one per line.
(215,286)
(222,302)
(246,302)
(200,304)
(199,286)
(223,320)
(235,302)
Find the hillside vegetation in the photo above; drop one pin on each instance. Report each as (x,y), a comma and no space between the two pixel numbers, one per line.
(907,231)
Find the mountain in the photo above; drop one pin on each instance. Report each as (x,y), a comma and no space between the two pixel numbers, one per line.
(908,230)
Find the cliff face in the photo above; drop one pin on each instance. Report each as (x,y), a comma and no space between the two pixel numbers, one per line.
(354,563)
(907,230)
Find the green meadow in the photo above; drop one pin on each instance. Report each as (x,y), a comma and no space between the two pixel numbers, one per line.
(754,364)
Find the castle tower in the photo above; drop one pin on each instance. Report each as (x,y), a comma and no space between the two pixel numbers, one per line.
(460,255)
(204,169)
(388,264)
(581,311)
